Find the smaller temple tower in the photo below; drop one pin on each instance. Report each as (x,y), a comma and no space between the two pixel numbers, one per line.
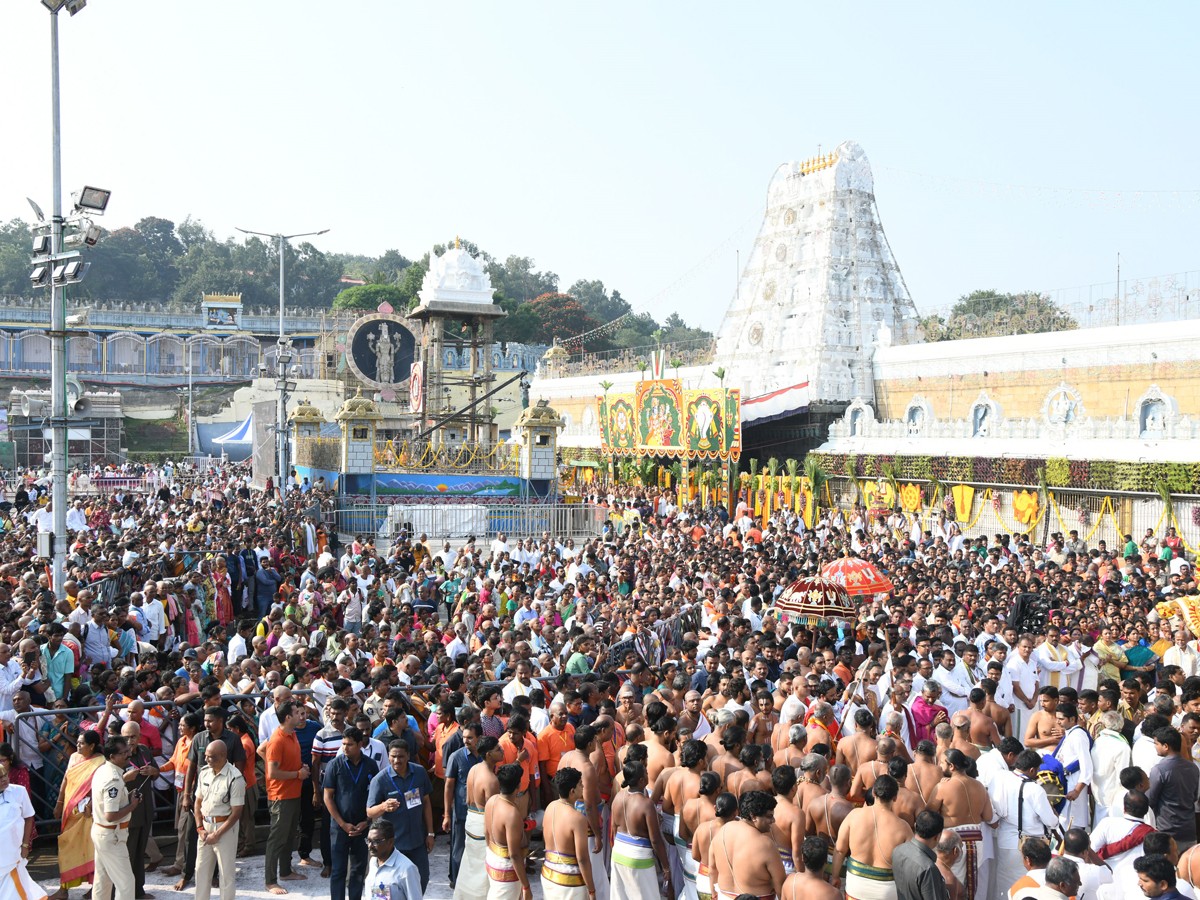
(539,425)
(457,315)
(306,423)
(358,418)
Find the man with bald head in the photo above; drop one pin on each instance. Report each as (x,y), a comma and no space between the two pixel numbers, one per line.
(220,795)
(140,773)
(553,741)
(269,720)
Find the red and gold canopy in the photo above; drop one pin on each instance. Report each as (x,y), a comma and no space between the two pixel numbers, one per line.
(858,577)
(815,601)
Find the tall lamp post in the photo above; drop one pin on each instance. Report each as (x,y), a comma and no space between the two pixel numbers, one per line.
(284,357)
(52,268)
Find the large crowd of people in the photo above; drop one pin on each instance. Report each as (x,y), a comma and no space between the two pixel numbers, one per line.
(624,715)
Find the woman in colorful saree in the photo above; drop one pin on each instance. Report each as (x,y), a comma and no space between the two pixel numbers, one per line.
(76,857)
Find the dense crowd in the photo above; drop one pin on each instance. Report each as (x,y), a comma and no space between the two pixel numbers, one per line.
(625,715)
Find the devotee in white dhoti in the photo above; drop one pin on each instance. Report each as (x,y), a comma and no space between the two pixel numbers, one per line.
(16,829)
(1074,751)
(1110,754)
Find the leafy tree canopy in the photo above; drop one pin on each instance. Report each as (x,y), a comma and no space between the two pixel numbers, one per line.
(992,313)
(369,296)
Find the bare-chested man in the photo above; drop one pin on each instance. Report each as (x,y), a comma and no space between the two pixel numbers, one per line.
(660,744)
(820,727)
(857,749)
(635,736)
(967,809)
(866,776)
(826,816)
(788,830)
(638,838)
(696,812)
(721,719)
(472,879)
(1043,729)
(985,734)
(811,883)
(924,774)
(791,753)
(766,719)
(565,829)
(692,718)
(728,760)
(744,856)
(507,845)
(812,788)
(580,759)
(675,785)
(724,811)
(907,804)
(894,727)
(997,713)
(943,735)
(752,776)
(866,841)
(949,850)
(960,723)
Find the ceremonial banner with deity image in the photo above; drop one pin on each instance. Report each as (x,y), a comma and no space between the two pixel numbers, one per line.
(659,409)
(662,419)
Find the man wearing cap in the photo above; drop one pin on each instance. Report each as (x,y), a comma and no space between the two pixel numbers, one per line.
(112,806)
(220,796)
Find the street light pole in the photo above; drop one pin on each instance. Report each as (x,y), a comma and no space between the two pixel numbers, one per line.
(284,357)
(191,425)
(58,335)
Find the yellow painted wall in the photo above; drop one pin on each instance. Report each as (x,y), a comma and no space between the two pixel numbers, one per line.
(1106,391)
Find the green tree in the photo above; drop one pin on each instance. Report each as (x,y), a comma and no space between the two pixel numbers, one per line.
(369,296)
(992,313)
(596,300)
(15,242)
(517,278)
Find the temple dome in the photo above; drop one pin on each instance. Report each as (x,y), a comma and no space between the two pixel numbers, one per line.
(457,277)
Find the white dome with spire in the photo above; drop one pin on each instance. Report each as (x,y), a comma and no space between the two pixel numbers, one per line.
(456,277)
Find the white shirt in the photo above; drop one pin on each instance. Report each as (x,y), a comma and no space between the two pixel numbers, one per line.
(1187,659)
(1023,675)
(1056,667)
(10,683)
(237,648)
(77,519)
(44,519)
(15,808)
(1110,754)
(1145,757)
(954,689)
(1112,829)
(156,619)
(1091,877)
(1035,812)
(267,723)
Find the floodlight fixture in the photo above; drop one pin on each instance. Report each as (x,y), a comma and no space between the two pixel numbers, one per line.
(39,276)
(70,271)
(93,198)
(74,6)
(89,236)
(54,5)
(41,246)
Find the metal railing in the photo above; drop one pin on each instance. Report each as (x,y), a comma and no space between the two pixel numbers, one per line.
(455,521)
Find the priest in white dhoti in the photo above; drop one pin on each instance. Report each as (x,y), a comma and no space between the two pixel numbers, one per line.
(16,830)
(1074,751)
(1110,754)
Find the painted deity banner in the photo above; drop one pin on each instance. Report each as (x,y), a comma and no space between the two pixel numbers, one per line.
(662,419)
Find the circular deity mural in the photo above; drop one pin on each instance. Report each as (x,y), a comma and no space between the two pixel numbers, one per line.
(380,350)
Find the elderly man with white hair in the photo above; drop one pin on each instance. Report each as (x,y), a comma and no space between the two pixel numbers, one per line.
(1110,754)
(268,722)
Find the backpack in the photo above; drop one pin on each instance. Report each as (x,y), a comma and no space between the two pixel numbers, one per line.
(1052,774)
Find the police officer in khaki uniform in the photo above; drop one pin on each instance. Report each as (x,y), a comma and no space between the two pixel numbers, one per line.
(220,796)
(112,806)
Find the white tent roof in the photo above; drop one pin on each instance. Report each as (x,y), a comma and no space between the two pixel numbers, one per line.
(242,433)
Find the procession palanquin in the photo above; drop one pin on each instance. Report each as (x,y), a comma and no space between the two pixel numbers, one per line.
(1186,608)
(661,418)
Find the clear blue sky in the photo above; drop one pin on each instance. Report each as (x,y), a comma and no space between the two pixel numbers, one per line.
(631,142)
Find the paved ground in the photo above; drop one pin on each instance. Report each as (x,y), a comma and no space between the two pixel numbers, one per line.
(250,878)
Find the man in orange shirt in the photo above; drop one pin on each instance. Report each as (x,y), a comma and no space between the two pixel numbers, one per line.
(555,739)
(285,775)
(239,726)
(521,747)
